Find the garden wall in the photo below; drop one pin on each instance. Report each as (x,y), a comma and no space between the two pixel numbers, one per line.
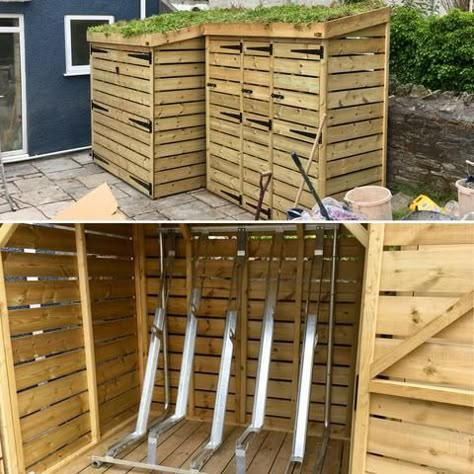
(430,138)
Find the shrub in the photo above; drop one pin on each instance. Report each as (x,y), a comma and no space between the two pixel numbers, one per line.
(436,52)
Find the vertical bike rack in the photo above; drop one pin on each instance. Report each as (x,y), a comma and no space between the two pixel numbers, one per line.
(329,367)
(158,340)
(186,362)
(316,269)
(233,307)
(264,358)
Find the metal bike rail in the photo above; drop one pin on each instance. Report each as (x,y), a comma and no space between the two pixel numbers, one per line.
(310,342)
(186,362)
(329,367)
(232,312)
(264,359)
(157,342)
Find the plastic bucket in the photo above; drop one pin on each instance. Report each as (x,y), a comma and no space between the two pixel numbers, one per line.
(465,198)
(374,202)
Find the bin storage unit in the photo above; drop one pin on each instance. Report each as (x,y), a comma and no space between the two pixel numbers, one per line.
(148,110)
(74,338)
(269,87)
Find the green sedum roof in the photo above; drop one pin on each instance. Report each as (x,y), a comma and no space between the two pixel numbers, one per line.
(299,15)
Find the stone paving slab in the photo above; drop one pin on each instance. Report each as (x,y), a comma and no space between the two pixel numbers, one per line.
(42,188)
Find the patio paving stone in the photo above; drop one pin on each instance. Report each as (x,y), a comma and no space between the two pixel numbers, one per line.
(41,188)
(48,165)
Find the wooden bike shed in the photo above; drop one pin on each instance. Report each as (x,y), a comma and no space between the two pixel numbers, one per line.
(217,104)
(75,309)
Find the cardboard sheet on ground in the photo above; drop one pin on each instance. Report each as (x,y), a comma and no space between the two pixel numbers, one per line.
(99,205)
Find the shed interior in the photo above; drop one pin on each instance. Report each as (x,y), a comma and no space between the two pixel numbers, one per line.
(77,305)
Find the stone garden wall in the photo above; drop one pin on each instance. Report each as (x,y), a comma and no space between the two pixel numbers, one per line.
(431,135)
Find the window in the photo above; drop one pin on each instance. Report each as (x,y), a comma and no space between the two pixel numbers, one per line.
(77,47)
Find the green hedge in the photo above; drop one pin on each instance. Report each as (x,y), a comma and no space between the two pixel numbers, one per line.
(436,52)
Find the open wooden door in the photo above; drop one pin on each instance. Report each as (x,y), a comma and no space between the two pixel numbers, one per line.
(414,407)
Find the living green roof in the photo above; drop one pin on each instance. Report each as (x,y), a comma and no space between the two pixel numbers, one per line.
(298,15)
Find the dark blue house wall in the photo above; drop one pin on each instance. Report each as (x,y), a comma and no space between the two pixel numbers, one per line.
(58,106)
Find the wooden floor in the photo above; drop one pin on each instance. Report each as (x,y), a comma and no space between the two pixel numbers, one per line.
(267,454)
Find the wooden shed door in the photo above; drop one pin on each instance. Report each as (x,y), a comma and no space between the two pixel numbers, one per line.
(225,118)
(121,113)
(414,410)
(257,120)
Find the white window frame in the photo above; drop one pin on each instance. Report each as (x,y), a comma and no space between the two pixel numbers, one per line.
(20,29)
(78,70)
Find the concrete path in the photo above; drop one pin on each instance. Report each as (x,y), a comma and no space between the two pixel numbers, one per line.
(42,188)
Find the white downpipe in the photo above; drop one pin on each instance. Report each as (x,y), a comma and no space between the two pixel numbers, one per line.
(26,157)
(142,9)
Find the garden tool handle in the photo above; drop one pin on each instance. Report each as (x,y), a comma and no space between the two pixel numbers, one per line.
(265,180)
(297,161)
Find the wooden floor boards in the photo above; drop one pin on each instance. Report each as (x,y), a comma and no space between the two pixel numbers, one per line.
(268,453)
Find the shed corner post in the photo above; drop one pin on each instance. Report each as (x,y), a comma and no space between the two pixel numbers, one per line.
(88,330)
(323,110)
(386,103)
(368,319)
(139,268)
(10,429)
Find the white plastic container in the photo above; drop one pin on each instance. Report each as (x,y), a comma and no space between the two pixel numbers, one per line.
(465,198)
(375,202)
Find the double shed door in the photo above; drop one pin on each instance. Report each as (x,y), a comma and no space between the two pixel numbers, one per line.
(263,104)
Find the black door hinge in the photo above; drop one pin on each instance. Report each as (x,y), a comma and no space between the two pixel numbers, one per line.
(98,50)
(316,51)
(247,91)
(146,124)
(234,116)
(95,156)
(304,133)
(263,123)
(263,49)
(277,96)
(98,107)
(146,56)
(236,197)
(237,47)
(147,186)
(211,85)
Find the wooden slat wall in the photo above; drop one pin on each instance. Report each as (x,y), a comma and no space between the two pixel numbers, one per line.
(180,123)
(47,341)
(425,269)
(355,104)
(211,326)
(122,98)
(112,288)
(148,117)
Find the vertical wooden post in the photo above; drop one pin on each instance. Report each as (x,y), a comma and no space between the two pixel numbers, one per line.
(87,325)
(385,108)
(368,320)
(10,429)
(153,181)
(139,266)
(323,109)
(297,321)
(241,345)
(208,114)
